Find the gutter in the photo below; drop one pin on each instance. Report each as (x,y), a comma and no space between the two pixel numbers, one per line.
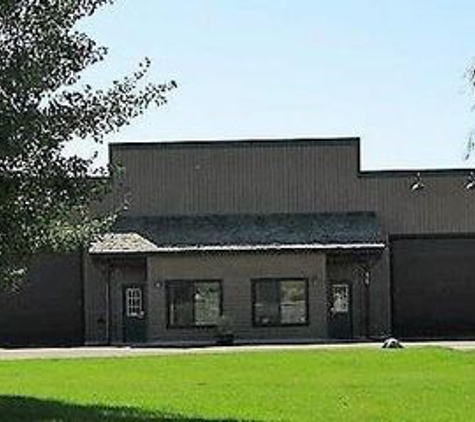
(246,248)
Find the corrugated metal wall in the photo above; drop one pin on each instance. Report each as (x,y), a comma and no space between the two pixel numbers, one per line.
(289,176)
(47,309)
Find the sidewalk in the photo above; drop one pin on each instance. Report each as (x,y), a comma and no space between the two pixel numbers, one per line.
(109,352)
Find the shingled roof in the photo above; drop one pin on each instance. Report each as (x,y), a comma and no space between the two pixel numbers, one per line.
(326,231)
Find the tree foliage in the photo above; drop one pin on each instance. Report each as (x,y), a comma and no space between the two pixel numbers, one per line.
(44,195)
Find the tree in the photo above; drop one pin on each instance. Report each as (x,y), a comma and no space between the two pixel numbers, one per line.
(44,195)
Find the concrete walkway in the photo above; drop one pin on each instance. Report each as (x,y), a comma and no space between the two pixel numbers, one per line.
(109,352)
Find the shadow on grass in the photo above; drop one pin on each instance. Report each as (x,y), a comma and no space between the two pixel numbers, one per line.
(30,409)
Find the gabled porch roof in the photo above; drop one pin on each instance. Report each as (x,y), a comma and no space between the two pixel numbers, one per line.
(243,232)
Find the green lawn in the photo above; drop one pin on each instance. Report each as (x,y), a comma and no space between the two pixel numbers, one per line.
(345,385)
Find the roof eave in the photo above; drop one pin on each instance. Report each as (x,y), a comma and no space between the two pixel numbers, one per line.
(377,246)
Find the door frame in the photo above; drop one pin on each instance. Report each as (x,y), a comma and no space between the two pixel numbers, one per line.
(332,283)
(143,287)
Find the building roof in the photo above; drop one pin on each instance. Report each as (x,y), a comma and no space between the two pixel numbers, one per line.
(273,232)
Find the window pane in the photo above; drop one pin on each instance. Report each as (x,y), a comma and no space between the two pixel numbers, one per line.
(180,305)
(266,305)
(207,303)
(133,302)
(293,306)
(340,298)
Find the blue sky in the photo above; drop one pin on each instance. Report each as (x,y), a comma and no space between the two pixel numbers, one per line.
(390,72)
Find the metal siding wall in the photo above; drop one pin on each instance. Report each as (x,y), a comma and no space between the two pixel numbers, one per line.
(95,301)
(289,178)
(47,309)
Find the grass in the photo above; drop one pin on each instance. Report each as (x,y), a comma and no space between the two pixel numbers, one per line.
(345,385)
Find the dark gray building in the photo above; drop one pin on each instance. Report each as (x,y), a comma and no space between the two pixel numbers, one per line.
(284,240)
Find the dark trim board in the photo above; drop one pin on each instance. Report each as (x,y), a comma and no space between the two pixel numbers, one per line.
(391,287)
(414,172)
(362,253)
(436,236)
(236,143)
(82,294)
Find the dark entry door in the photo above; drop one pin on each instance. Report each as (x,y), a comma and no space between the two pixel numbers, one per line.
(340,324)
(135,321)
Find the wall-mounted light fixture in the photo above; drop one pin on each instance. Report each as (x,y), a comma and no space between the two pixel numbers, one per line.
(470,182)
(417,183)
(367,277)
(158,284)
(126,200)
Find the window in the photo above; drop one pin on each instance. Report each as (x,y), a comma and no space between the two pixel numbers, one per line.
(133,302)
(193,303)
(280,302)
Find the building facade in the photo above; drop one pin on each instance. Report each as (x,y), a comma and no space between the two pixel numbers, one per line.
(277,241)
